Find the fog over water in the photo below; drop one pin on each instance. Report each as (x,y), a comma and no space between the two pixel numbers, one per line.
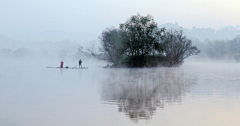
(34,35)
(193,94)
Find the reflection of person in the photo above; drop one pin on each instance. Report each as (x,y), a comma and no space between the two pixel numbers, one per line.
(61,64)
(80,63)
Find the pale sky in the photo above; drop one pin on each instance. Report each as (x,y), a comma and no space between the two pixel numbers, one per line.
(93,16)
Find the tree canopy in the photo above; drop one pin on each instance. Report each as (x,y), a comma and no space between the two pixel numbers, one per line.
(177,47)
(140,38)
(113,43)
(141,33)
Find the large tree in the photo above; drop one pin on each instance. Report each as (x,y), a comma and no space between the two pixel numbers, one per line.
(139,37)
(112,43)
(141,33)
(177,47)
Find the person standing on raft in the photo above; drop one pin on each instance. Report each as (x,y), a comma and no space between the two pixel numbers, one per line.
(80,63)
(61,64)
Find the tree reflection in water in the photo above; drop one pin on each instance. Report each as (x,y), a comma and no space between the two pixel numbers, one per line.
(139,92)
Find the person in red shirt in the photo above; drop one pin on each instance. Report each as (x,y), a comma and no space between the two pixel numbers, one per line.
(61,64)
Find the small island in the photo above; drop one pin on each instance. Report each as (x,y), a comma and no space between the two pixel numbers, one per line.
(139,42)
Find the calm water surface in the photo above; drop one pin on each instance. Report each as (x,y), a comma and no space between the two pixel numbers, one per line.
(194,94)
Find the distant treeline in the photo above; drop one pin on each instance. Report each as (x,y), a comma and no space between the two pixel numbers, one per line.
(219,49)
(139,42)
(65,49)
(224,33)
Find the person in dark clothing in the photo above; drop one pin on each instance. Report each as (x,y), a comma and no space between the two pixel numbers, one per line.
(80,63)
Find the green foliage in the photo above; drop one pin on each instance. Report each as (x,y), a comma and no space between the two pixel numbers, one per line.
(177,47)
(148,61)
(112,44)
(153,61)
(140,43)
(141,35)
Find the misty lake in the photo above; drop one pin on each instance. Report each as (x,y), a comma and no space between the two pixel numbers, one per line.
(195,94)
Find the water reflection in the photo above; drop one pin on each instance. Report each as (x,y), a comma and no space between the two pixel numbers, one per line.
(139,92)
